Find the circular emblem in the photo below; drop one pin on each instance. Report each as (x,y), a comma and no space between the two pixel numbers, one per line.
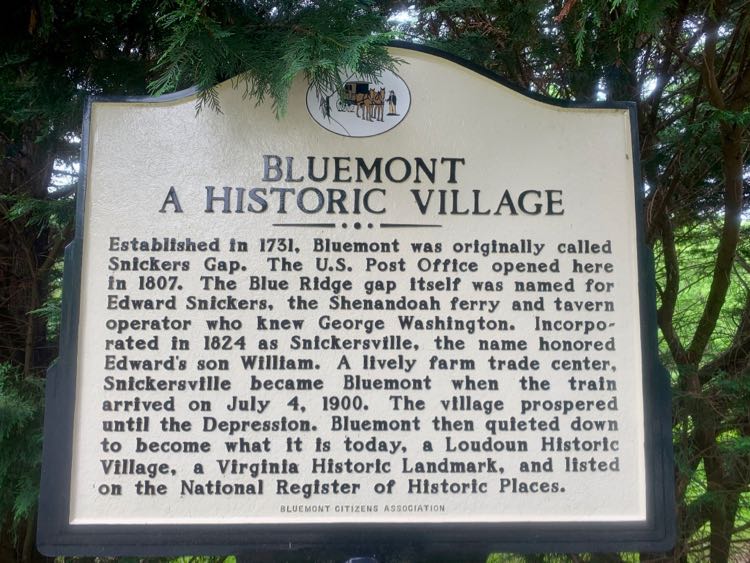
(361,108)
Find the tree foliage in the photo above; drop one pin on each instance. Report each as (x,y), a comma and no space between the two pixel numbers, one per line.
(264,45)
(686,63)
(21,400)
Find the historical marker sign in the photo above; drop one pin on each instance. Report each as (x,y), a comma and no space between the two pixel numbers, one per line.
(413,310)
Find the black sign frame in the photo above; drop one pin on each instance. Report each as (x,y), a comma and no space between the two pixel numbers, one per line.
(56,536)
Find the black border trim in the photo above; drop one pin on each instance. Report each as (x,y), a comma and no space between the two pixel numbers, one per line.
(57,537)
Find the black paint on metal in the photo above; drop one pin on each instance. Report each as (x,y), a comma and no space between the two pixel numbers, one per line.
(56,536)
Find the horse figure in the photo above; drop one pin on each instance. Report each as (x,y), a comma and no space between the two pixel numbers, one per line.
(378,104)
(364,102)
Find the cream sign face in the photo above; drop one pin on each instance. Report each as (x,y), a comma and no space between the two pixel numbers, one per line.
(413,310)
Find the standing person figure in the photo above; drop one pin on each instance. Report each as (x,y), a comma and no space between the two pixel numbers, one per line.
(391,103)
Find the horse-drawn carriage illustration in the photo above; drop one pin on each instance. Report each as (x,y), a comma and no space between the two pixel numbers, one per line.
(356,107)
(360,97)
